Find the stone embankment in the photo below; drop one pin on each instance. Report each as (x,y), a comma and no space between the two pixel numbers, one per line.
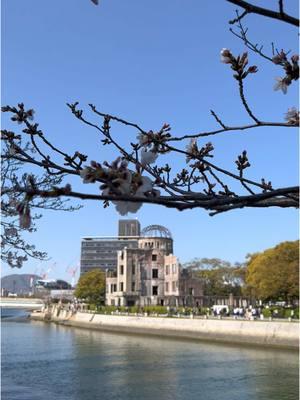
(266,333)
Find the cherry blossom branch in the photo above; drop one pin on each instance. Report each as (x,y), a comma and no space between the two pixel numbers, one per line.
(229,129)
(200,183)
(244,101)
(243,36)
(250,8)
(210,201)
(160,142)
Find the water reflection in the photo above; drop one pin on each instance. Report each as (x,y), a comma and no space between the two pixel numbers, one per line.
(56,362)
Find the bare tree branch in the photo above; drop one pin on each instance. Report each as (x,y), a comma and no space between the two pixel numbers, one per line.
(250,8)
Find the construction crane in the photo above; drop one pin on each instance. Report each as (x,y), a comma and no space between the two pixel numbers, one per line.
(72,271)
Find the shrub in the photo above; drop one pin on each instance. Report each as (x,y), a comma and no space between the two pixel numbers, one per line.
(267,313)
(155,309)
(134,309)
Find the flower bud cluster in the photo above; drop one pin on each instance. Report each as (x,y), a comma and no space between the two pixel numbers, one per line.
(242,162)
(20,115)
(153,143)
(238,64)
(195,153)
(266,185)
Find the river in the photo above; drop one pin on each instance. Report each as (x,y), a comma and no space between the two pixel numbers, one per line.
(43,361)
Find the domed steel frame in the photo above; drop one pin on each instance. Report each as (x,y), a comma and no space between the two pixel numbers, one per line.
(156,231)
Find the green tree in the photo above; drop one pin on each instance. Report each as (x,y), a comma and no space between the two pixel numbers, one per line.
(91,287)
(220,278)
(274,273)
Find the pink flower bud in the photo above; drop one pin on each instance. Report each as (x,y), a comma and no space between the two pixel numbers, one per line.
(253,69)
(295,58)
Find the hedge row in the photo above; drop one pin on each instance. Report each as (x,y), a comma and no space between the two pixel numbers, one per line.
(161,310)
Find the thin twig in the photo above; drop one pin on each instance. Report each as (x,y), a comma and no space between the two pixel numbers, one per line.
(245,104)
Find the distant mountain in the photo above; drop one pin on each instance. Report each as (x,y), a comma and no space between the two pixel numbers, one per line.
(19,283)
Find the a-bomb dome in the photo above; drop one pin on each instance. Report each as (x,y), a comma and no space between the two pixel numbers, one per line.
(156,231)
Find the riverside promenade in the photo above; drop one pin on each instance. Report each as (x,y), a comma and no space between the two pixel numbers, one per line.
(283,334)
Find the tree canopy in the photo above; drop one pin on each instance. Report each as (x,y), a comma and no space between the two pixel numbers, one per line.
(274,273)
(91,286)
(220,278)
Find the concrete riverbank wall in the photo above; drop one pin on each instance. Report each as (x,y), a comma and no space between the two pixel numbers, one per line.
(266,333)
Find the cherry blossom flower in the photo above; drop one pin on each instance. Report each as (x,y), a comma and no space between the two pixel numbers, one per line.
(88,175)
(145,185)
(281,85)
(143,139)
(191,148)
(292,116)
(125,207)
(148,157)
(133,186)
(226,56)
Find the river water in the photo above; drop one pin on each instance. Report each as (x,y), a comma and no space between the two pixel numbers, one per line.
(50,362)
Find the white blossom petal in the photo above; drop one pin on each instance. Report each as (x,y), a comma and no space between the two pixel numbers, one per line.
(281,85)
(143,139)
(146,186)
(148,157)
(125,207)
(292,116)
(224,56)
(87,175)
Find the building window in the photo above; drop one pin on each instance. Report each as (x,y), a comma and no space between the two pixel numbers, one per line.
(112,302)
(154,257)
(173,286)
(115,287)
(133,286)
(174,268)
(191,291)
(121,286)
(155,273)
(167,286)
(121,269)
(112,288)
(167,270)
(154,290)
(133,269)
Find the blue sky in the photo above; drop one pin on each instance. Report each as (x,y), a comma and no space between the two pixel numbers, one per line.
(151,62)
